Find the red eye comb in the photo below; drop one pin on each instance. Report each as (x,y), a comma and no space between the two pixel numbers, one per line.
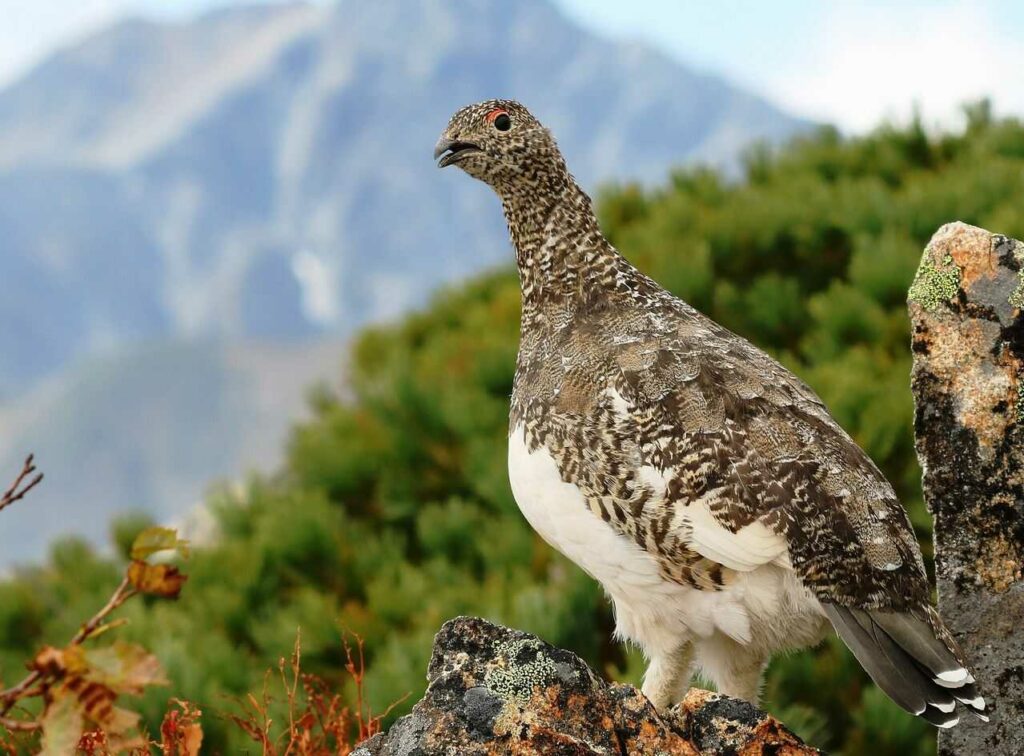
(494,114)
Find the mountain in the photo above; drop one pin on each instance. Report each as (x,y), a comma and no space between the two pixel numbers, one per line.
(171,193)
(265,172)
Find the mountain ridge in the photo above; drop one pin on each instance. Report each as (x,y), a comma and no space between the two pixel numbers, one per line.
(255,140)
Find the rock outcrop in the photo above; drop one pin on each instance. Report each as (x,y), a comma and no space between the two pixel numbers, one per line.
(968,341)
(493,690)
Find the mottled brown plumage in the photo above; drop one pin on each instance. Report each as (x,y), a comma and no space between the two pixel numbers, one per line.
(716,462)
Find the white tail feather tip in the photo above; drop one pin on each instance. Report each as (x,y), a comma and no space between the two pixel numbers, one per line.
(955,676)
(950,723)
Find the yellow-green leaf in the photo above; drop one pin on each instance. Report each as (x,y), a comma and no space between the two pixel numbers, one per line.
(123,667)
(156,539)
(62,725)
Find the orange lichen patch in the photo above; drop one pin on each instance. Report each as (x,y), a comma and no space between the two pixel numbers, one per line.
(983,390)
(769,740)
(653,739)
(574,704)
(1000,565)
(970,248)
(642,730)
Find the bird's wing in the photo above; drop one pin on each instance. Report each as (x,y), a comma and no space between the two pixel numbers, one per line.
(761,473)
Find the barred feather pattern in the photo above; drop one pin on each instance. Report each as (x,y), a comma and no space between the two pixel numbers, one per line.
(650,408)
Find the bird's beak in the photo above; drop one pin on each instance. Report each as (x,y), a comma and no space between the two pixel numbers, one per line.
(448,151)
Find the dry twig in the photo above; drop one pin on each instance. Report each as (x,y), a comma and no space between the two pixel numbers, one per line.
(24,483)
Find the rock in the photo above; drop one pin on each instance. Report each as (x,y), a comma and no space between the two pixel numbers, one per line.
(493,690)
(968,381)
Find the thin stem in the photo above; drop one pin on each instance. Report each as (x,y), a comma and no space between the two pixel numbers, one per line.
(123,593)
(18,725)
(19,488)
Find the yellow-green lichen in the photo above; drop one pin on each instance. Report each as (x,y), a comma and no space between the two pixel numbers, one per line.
(518,679)
(935,284)
(1017,297)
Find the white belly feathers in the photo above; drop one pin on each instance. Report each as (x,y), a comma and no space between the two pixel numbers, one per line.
(650,610)
(558,511)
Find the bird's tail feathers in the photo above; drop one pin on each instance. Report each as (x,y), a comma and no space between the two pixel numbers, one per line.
(912,658)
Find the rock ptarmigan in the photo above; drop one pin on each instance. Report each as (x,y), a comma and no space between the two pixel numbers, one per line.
(705,486)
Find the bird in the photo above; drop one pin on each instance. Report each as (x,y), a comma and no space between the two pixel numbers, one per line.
(725,513)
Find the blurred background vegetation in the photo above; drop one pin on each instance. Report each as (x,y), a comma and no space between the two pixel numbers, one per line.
(393,512)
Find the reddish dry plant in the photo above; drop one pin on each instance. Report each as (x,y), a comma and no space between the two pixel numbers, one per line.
(181,734)
(93,743)
(320,722)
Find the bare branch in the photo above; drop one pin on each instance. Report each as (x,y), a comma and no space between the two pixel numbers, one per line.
(24,483)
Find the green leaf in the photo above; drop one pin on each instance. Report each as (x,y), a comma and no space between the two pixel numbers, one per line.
(62,725)
(156,539)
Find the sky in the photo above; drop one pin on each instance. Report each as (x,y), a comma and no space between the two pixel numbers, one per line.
(848,63)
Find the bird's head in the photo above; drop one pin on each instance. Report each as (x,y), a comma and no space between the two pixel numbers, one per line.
(500,143)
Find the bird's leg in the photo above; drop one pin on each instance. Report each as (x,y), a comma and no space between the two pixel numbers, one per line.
(734,668)
(668,676)
(743,682)
(737,673)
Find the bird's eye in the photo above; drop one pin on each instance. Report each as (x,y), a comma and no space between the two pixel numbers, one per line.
(500,119)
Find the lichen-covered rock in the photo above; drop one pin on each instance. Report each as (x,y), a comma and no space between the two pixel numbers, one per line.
(493,690)
(968,342)
(718,724)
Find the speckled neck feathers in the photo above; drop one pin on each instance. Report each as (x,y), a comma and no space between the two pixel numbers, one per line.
(563,258)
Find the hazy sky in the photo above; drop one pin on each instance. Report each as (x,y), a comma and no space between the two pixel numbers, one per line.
(851,63)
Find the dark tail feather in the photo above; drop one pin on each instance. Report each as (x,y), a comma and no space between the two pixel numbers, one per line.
(928,642)
(909,661)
